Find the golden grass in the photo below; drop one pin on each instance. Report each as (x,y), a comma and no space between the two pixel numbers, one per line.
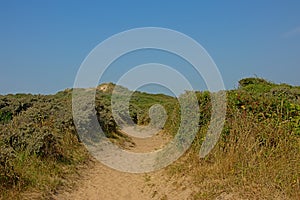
(254,160)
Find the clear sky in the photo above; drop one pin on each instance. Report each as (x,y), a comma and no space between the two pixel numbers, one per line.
(43,43)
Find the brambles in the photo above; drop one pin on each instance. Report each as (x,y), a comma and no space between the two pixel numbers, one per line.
(38,142)
(258,153)
(294,117)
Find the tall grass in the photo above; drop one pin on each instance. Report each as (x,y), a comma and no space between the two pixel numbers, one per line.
(257,156)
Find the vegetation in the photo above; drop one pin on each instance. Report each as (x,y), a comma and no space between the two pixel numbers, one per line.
(257,156)
(38,143)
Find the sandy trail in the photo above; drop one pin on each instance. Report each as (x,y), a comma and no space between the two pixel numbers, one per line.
(103,183)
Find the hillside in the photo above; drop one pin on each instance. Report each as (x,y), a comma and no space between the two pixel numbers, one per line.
(256,157)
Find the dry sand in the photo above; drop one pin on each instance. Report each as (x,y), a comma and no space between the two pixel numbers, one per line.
(103,183)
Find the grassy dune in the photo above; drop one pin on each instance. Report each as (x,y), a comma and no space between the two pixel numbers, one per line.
(256,157)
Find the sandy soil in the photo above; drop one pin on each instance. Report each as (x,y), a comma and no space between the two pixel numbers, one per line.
(101,182)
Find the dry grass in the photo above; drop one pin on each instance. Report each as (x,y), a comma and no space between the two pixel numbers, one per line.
(254,160)
(256,157)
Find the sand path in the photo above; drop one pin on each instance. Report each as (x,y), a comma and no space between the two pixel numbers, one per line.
(103,183)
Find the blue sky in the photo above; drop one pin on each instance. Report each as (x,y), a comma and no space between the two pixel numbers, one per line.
(43,43)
